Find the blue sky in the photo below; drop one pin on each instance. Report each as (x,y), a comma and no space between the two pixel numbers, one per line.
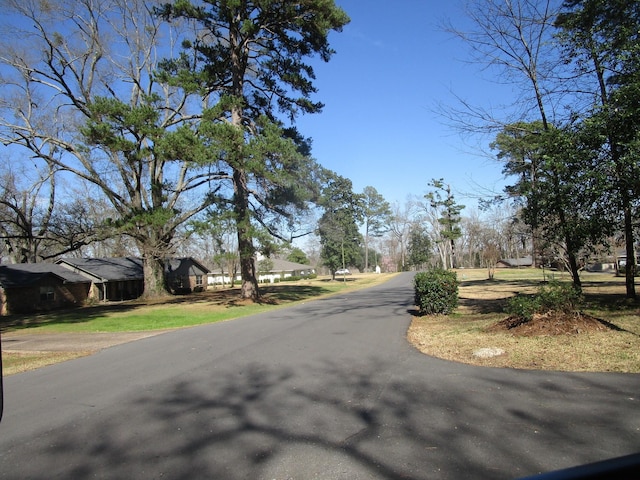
(393,65)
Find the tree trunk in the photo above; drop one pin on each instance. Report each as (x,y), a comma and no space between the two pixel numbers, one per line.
(154,279)
(453,254)
(249,289)
(621,181)
(631,255)
(366,250)
(575,274)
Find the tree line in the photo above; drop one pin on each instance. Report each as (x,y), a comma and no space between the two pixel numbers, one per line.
(153,126)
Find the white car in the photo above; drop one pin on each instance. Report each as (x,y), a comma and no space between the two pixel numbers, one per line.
(343,271)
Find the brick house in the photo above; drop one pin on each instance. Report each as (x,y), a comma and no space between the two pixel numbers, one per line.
(117,279)
(33,287)
(37,287)
(185,275)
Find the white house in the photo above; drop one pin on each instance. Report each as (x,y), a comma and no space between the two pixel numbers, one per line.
(280,270)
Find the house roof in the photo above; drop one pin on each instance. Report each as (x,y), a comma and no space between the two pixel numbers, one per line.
(286,266)
(278,266)
(123,268)
(517,262)
(25,274)
(178,264)
(106,269)
(83,270)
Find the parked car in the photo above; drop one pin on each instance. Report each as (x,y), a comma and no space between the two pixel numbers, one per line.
(343,271)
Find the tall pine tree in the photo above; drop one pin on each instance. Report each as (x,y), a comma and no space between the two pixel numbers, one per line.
(249,62)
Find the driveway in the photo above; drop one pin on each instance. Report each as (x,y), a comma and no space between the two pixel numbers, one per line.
(325,390)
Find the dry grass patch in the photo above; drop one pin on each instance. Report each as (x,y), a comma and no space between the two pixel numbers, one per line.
(17,362)
(606,338)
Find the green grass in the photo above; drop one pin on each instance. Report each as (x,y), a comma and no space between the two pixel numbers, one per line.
(146,318)
(132,318)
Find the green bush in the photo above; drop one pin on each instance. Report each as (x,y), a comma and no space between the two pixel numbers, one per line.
(559,297)
(523,306)
(436,291)
(552,297)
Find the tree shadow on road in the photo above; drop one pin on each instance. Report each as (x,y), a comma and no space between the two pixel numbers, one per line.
(265,422)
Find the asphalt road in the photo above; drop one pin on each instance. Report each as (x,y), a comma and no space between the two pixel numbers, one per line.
(325,390)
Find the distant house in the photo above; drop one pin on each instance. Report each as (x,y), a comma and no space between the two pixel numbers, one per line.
(283,269)
(279,270)
(219,276)
(185,275)
(621,262)
(515,262)
(602,267)
(33,287)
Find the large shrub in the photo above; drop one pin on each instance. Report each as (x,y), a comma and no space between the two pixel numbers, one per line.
(552,297)
(436,291)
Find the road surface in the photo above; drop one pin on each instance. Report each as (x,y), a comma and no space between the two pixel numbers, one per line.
(329,389)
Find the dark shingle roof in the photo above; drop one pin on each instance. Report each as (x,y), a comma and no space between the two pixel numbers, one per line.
(24,274)
(518,262)
(184,264)
(110,269)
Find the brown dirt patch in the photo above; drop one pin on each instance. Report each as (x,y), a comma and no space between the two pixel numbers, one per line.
(551,323)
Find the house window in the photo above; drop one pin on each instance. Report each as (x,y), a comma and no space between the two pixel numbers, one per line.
(47,294)
(198,280)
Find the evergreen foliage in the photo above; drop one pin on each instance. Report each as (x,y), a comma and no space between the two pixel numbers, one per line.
(340,239)
(376,213)
(444,202)
(552,297)
(248,63)
(436,291)
(419,248)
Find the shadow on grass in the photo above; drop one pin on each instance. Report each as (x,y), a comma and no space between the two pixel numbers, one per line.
(77,315)
(489,296)
(608,296)
(497,282)
(483,306)
(292,293)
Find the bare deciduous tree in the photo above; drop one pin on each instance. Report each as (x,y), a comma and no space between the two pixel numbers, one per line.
(79,93)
